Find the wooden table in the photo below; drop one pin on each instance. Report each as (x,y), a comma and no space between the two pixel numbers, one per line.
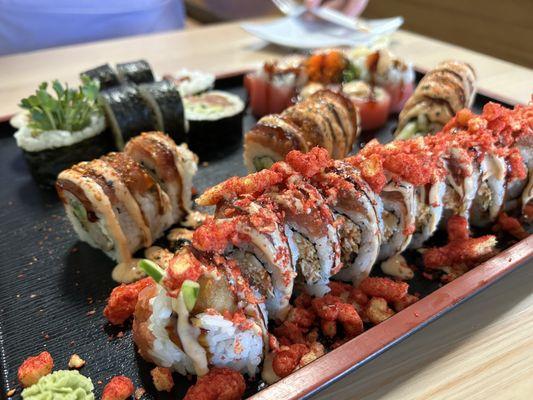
(483,349)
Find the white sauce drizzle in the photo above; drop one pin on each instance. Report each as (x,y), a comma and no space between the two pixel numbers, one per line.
(127,271)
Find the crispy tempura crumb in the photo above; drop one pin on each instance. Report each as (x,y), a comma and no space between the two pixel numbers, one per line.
(377,310)
(119,388)
(219,383)
(139,392)
(11,393)
(162,378)
(75,362)
(34,368)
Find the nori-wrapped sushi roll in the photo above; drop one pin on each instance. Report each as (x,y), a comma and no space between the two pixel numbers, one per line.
(104,74)
(165,100)
(128,114)
(215,123)
(135,72)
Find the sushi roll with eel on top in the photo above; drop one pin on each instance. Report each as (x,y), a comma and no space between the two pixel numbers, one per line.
(201,314)
(119,205)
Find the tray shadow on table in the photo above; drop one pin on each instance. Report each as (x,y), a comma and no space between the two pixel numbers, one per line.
(401,364)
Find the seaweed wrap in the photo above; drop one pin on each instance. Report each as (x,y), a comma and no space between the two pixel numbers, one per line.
(136,72)
(215,122)
(165,100)
(127,113)
(442,92)
(104,75)
(202,314)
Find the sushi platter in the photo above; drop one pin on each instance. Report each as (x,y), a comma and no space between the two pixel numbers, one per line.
(113,230)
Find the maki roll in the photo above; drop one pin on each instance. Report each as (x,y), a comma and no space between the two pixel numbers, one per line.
(118,205)
(135,72)
(357,211)
(255,237)
(128,113)
(104,75)
(270,140)
(429,209)
(215,122)
(60,129)
(165,100)
(211,319)
(191,82)
(442,92)
(171,166)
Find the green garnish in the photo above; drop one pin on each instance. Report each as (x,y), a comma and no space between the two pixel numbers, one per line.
(190,290)
(69,110)
(61,385)
(350,73)
(152,269)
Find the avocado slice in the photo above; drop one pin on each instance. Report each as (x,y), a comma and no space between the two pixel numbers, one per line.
(190,290)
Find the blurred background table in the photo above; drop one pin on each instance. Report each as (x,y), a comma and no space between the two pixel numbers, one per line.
(483,349)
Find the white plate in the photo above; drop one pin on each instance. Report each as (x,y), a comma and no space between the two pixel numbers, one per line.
(301,33)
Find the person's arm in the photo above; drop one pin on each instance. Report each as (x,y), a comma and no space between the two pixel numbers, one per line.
(351,8)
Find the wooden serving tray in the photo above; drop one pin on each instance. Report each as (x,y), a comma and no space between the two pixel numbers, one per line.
(53,288)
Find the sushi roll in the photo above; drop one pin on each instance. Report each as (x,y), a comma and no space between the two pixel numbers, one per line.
(127,112)
(357,212)
(442,92)
(255,237)
(215,122)
(270,140)
(191,82)
(165,101)
(272,87)
(54,140)
(171,166)
(104,75)
(211,319)
(429,209)
(118,205)
(310,231)
(135,72)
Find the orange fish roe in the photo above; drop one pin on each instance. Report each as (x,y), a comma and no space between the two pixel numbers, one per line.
(326,67)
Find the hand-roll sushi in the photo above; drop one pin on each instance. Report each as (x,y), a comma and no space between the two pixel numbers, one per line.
(215,122)
(61,129)
(135,72)
(127,112)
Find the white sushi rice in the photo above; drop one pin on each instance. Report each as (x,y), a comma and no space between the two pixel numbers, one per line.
(193,81)
(198,110)
(230,346)
(46,140)
(164,351)
(20,119)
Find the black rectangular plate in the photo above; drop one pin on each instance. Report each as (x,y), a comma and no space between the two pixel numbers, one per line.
(53,288)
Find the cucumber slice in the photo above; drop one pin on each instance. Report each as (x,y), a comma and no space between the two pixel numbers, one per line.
(190,290)
(408,131)
(152,269)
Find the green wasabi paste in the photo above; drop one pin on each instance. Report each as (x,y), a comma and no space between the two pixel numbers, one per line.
(61,385)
